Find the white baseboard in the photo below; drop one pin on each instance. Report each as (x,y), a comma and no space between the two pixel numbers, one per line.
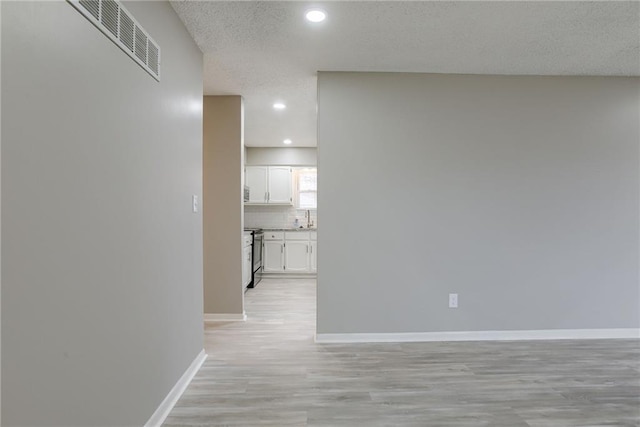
(547,334)
(169,402)
(225,317)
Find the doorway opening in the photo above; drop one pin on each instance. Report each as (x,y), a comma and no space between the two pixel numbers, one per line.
(281,213)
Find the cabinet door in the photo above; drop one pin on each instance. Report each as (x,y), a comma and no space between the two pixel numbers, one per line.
(246,267)
(255,177)
(273,257)
(279,185)
(313,256)
(296,256)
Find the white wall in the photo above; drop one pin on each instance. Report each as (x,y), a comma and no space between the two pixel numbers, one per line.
(0,219)
(285,156)
(102,256)
(518,193)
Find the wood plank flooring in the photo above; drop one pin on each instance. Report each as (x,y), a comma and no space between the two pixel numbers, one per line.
(269,371)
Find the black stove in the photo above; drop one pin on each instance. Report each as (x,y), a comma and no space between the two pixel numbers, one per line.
(256,270)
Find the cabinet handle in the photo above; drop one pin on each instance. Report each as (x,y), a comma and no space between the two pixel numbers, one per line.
(311,249)
(268,196)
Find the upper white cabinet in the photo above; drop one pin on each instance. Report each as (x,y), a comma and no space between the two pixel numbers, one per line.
(279,185)
(269,185)
(255,177)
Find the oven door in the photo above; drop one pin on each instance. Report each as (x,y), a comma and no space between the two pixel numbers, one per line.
(257,250)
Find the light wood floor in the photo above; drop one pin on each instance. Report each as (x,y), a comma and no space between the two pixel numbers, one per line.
(268,371)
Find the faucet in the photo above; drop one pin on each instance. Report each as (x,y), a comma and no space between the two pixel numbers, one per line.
(309,222)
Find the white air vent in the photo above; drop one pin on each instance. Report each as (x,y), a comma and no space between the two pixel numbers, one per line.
(109,16)
(119,25)
(92,6)
(153,56)
(141,45)
(127,30)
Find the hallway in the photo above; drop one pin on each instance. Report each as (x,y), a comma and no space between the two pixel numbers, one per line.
(269,371)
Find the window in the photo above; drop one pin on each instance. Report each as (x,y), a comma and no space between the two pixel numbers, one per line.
(306,188)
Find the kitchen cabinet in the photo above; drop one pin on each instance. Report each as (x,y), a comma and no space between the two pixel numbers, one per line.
(271,185)
(313,257)
(255,177)
(313,252)
(279,185)
(246,267)
(296,256)
(298,251)
(273,255)
(290,252)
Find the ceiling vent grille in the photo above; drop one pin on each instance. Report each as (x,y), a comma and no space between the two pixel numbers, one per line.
(121,27)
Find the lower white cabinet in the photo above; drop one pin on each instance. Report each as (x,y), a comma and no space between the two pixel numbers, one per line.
(246,267)
(273,256)
(296,256)
(313,256)
(289,252)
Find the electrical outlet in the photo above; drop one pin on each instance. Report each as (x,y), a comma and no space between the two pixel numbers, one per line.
(453,300)
(194,203)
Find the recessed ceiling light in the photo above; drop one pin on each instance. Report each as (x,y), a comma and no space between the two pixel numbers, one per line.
(279,106)
(287,141)
(315,15)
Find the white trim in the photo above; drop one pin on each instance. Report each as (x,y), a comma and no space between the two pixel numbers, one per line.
(169,402)
(224,317)
(547,334)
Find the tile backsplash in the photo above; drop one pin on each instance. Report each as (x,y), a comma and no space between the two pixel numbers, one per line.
(265,216)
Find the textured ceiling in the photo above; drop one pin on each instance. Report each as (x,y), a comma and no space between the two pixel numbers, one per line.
(266,51)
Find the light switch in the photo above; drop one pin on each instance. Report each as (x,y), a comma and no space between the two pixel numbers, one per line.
(194,200)
(453,300)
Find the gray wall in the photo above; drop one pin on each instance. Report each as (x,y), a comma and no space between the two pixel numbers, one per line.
(0,223)
(518,193)
(223,205)
(102,259)
(286,156)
